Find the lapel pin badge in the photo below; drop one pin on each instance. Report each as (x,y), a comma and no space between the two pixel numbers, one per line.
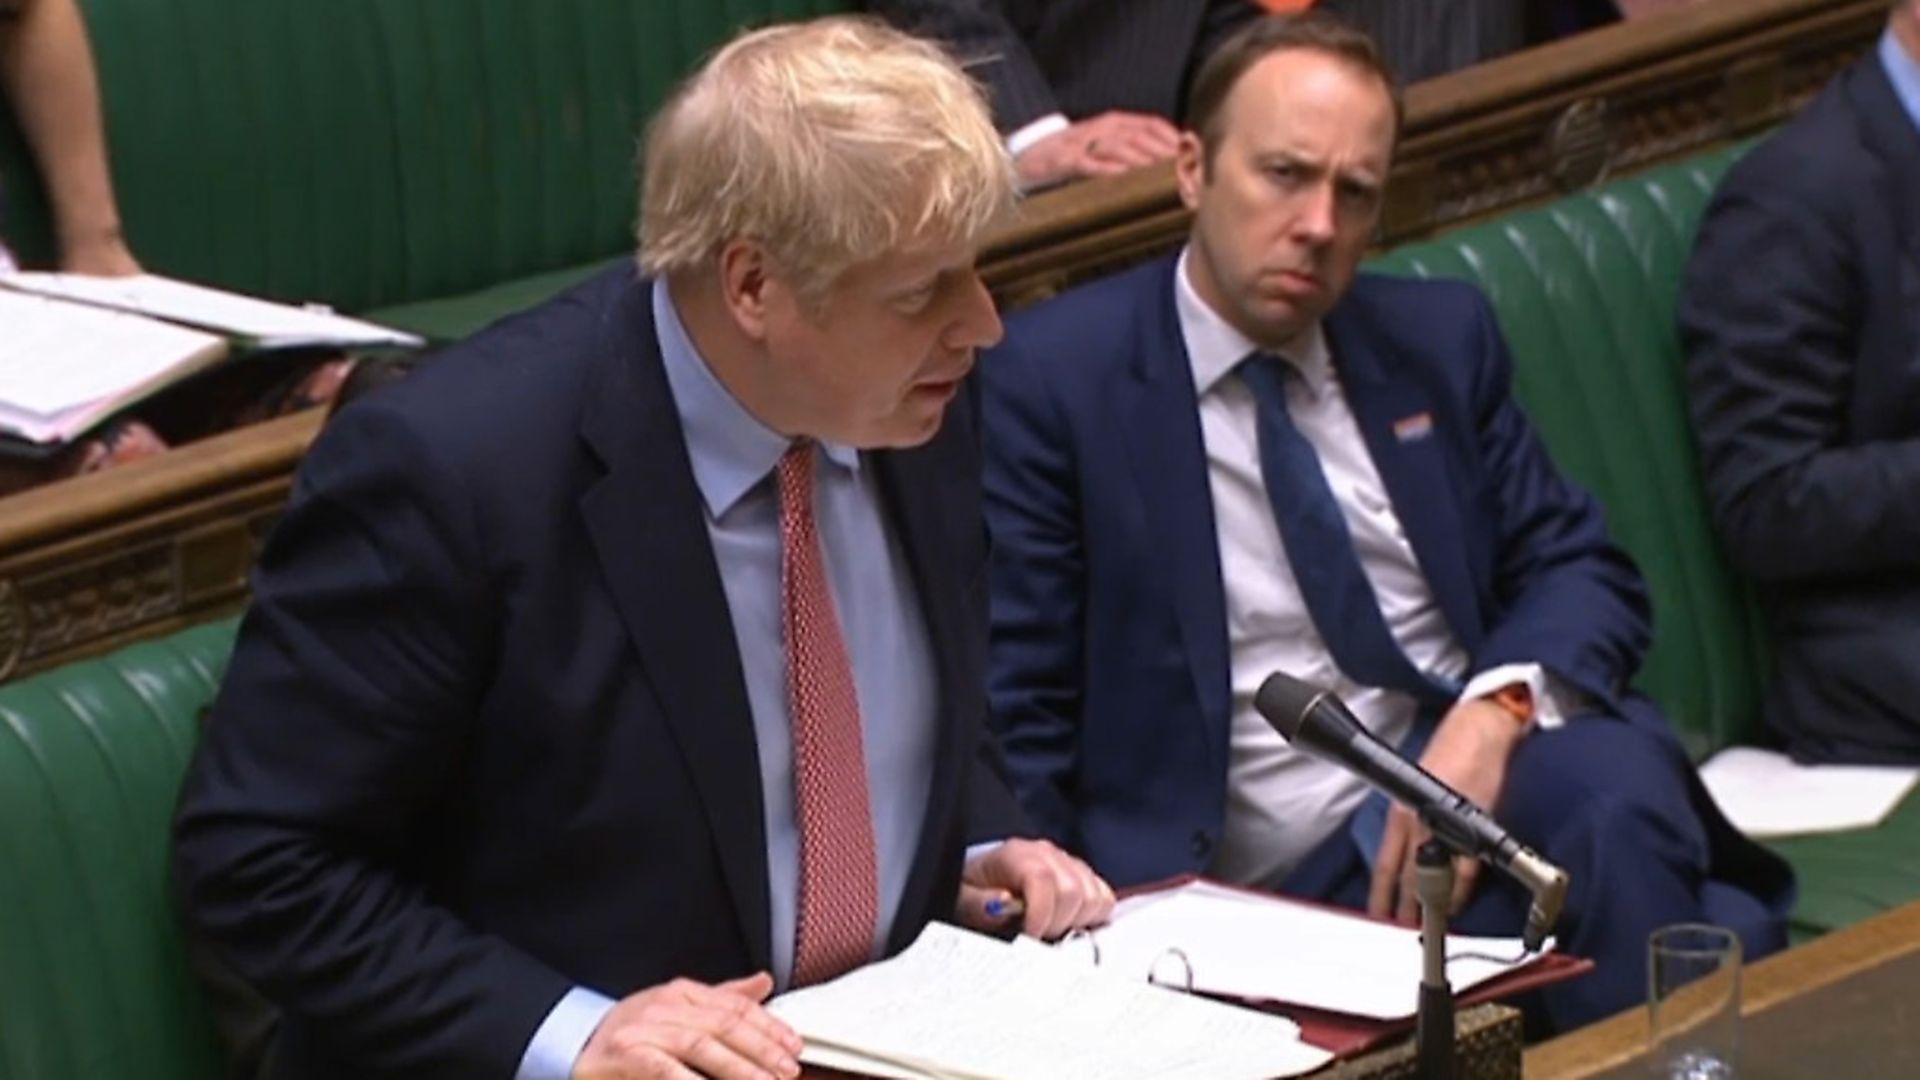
(1413,428)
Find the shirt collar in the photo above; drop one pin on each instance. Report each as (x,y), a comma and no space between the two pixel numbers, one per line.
(1904,72)
(730,449)
(1215,347)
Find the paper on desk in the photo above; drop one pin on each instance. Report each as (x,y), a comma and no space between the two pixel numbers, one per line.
(1767,794)
(64,365)
(1263,948)
(957,1004)
(261,322)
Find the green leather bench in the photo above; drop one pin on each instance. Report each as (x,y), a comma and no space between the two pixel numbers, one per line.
(1585,290)
(94,982)
(431,163)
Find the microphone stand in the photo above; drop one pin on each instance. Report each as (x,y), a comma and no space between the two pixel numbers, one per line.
(1434,1032)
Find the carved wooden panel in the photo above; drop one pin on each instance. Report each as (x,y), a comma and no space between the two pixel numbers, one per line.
(94,562)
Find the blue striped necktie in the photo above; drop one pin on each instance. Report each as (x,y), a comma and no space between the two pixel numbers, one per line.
(1320,549)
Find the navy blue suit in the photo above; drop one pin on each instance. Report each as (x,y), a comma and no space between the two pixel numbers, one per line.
(1801,319)
(1110,681)
(485,735)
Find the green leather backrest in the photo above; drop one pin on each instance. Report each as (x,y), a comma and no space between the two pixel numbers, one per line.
(374,152)
(93,980)
(1585,290)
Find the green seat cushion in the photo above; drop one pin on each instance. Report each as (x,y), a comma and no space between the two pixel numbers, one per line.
(1845,877)
(454,317)
(94,981)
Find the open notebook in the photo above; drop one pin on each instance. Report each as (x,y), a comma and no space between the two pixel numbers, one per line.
(64,367)
(956,1005)
(249,320)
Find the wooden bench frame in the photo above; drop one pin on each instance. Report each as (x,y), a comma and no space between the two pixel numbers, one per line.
(92,563)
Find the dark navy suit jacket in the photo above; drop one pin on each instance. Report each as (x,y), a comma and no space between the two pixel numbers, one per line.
(1801,319)
(1109,673)
(485,735)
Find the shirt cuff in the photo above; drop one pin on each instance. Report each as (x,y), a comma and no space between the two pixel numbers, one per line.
(556,1045)
(1554,698)
(1051,124)
(984,847)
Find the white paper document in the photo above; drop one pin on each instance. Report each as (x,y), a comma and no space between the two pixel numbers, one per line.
(65,366)
(957,1005)
(1263,948)
(259,322)
(1767,794)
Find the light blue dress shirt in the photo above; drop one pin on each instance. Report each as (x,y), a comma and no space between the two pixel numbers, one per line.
(1905,73)
(733,457)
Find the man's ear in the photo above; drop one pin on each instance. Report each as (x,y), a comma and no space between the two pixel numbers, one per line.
(746,285)
(1190,168)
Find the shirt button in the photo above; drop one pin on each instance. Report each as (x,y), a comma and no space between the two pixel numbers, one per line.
(1202,844)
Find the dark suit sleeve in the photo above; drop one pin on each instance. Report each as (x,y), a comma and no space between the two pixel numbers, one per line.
(993,811)
(1038,576)
(979,35)
(1770,318)
(1571,600)
(311,812)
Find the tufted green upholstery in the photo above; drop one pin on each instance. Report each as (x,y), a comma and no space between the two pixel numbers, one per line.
(1585,290)
(93,981)
(372,153)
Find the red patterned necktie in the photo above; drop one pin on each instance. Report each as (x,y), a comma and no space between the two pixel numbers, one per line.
(838,902)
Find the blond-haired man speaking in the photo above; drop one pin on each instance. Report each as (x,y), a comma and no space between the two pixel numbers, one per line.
(627,663)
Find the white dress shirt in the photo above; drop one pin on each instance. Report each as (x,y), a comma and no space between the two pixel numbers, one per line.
(1282,803)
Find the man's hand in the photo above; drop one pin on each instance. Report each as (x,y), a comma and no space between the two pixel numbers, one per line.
(1469,753)
(1060,892)
(1110,143)
(684,1030)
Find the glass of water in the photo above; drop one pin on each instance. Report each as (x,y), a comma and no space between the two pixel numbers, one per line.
(1693,1001)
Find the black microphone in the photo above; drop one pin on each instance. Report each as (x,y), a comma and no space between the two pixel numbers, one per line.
(1314,720)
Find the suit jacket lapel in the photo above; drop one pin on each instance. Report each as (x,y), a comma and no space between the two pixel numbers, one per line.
(1406,436)
(1155,405)
(646,520)
(914,484)
(1893,138)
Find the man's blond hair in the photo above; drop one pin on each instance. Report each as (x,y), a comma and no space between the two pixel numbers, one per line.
(828,143)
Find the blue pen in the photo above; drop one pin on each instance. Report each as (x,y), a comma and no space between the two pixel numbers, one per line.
(1010,906)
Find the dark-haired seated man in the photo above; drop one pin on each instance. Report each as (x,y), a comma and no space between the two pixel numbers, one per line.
(1801,318)
(1249,458)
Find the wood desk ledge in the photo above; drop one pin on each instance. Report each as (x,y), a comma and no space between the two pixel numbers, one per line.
(91,563)
(1822,962)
